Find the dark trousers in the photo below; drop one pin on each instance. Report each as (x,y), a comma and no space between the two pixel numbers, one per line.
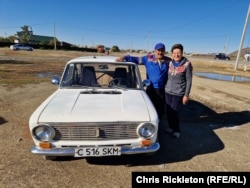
(173,105)
(157,97)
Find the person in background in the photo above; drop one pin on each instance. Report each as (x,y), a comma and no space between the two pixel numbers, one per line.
(177,88)
(156,65)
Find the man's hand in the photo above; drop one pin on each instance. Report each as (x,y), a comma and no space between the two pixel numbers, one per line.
(119,59)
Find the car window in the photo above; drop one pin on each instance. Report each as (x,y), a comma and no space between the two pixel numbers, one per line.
(102,75)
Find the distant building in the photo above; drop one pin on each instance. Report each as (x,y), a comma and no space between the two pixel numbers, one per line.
(37,39)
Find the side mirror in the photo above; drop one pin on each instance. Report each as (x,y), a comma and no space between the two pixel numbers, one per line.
(55,81)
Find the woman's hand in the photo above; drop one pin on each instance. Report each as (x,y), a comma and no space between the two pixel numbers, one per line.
(185,100)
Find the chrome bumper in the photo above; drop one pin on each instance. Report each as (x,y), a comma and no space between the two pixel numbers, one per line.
(71,150)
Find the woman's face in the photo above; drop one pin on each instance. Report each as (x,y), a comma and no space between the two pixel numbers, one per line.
(177,54)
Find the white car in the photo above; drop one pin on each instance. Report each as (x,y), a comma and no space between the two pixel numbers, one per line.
(247,56)
(21,47)
(99,109)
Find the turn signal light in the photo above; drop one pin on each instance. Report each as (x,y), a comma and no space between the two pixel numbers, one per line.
(146,142)
(44,145)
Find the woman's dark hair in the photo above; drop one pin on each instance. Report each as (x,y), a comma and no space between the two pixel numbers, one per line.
(177,46)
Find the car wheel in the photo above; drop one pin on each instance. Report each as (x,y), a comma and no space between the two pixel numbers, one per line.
(46,157)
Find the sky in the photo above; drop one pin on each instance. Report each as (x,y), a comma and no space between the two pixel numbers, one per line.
(202,26)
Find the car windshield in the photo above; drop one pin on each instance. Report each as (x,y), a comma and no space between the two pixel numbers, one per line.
(101,75)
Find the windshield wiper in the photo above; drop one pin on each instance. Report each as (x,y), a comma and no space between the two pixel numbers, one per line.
(100,92)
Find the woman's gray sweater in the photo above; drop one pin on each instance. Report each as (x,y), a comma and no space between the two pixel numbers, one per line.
(179,80)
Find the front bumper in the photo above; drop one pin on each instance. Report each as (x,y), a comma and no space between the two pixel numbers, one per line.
(70,151)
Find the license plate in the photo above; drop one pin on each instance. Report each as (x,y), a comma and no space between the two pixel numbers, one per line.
(100,151)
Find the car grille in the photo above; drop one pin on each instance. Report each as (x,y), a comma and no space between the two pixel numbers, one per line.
(95,131)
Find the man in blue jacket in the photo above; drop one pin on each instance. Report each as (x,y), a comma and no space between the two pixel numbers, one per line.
(156,65)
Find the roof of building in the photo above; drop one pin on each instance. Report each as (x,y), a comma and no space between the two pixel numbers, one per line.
(41,38)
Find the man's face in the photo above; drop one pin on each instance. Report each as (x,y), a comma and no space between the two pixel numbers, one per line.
(159,54)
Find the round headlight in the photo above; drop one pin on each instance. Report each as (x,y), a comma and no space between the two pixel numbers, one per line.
(146,130)
(44,132)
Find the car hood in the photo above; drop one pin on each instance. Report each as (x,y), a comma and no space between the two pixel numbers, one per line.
(72,106)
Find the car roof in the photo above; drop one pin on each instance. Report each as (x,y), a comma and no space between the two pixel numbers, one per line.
(97,59)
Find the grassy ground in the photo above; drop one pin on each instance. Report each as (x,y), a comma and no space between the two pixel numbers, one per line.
(214,138)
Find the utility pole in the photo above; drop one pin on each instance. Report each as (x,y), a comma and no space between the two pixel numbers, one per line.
(226,47)
(148,41)
(242,38)
(54,36)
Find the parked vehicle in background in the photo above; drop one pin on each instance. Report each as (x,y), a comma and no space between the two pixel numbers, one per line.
(99,109)
(247,56)
(221,56)
(21,47)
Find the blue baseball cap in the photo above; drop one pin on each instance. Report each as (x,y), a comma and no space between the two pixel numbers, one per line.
(159,46)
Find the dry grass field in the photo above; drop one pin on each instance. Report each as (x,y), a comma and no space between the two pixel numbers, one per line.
(22,67)
(215,127)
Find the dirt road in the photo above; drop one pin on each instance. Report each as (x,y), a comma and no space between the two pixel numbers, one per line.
(215,137)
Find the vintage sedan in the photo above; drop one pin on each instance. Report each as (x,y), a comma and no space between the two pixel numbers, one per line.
(99,109)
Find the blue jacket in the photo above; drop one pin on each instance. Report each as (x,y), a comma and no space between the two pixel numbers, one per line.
(156,72)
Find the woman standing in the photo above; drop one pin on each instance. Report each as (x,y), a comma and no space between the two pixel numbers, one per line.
(177,88)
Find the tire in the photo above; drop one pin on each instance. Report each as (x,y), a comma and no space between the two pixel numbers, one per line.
(46,157)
